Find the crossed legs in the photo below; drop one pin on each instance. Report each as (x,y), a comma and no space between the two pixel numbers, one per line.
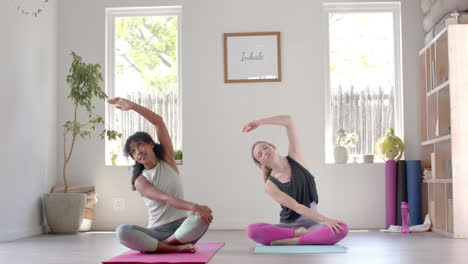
(147,240)
(268,234)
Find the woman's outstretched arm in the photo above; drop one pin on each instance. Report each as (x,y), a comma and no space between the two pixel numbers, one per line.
(146,189)
(156,120)
(294,149)
(289,202)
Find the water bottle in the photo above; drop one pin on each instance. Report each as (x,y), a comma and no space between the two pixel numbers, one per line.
(405,218)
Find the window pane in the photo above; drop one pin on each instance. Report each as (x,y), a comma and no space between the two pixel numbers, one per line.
(146,72)
(361,49)
(362,77)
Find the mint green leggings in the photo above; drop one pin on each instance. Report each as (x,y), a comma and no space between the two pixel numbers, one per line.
(186,230)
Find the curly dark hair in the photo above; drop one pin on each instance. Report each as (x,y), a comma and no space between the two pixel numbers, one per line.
(145,138)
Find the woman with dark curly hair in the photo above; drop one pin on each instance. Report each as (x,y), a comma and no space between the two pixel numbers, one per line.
(171,228)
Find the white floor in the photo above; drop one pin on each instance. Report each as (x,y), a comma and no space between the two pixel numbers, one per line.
(363,247)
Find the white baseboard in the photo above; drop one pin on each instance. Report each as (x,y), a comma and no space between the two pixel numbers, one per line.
(219,224)
(10,235)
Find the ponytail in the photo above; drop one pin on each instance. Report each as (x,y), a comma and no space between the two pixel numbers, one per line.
(137,170)
(266,173)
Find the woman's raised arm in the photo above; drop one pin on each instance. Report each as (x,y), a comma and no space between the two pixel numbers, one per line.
(161,129)
(287,121)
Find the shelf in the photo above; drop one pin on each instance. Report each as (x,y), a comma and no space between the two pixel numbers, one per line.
(438,88)
(443,109)
(436,140)
(437,181)
(445,233)
(433,40)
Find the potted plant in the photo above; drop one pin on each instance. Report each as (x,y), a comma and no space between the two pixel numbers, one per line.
(389,146)
(114,155)
(178,156)
(343,141)
(65,211)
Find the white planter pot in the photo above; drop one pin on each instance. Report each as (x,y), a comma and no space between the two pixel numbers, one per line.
(64,211)
(341,154)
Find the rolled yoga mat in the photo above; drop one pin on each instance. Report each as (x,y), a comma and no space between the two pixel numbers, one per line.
(205,251)
(401,188)
(413,182)
(390,192)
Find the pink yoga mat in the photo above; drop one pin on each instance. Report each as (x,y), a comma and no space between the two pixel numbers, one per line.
(390,192)
(204,253)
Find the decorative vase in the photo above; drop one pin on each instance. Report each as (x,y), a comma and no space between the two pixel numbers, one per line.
(341,154)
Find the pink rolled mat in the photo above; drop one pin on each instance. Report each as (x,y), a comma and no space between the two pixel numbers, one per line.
(390,192)
(205,251)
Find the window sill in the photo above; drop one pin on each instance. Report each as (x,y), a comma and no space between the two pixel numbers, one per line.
(378,163)
(130,163)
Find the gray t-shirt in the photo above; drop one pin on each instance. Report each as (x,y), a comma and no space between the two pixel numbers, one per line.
(164,178)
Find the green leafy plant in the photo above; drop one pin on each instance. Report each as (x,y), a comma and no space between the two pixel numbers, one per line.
(84,82)
(389,146)
(178,155)
(345,139)
(155,36)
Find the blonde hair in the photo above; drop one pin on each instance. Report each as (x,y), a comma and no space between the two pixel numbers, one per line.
(265,170)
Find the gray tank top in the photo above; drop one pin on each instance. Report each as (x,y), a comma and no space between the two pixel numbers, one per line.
(301,188)
(164,178)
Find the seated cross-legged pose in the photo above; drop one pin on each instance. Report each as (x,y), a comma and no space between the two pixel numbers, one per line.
(171,227)
(288,181)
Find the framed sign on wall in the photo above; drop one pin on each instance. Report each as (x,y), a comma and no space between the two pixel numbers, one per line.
(252,57)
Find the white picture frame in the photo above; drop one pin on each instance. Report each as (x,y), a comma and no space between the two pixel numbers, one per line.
(252,57)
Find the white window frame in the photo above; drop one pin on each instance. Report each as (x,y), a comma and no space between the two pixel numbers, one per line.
(361,7)
(111,15)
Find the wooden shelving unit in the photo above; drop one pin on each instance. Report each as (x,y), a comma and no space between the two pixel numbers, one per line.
(443,94)
(437,181)
(435,140)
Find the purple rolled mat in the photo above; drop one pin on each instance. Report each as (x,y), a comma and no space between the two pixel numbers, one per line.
(390,192)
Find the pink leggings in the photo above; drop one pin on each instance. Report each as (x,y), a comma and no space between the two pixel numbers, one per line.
(265,233)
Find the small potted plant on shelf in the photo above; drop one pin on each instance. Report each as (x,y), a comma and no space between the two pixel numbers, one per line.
(114,155)
(178,156)
(389,146)
(344,140)
(65,210)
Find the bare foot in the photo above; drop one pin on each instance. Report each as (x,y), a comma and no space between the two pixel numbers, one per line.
(301,231)
(172,241)
(287,241)
(186,248)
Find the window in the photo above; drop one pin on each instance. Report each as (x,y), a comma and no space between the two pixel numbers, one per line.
(363,79)
(143,65)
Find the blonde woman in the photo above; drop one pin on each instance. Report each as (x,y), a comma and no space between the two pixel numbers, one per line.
(289,182)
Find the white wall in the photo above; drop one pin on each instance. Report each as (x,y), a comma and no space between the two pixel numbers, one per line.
(218,170)
(28,114)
